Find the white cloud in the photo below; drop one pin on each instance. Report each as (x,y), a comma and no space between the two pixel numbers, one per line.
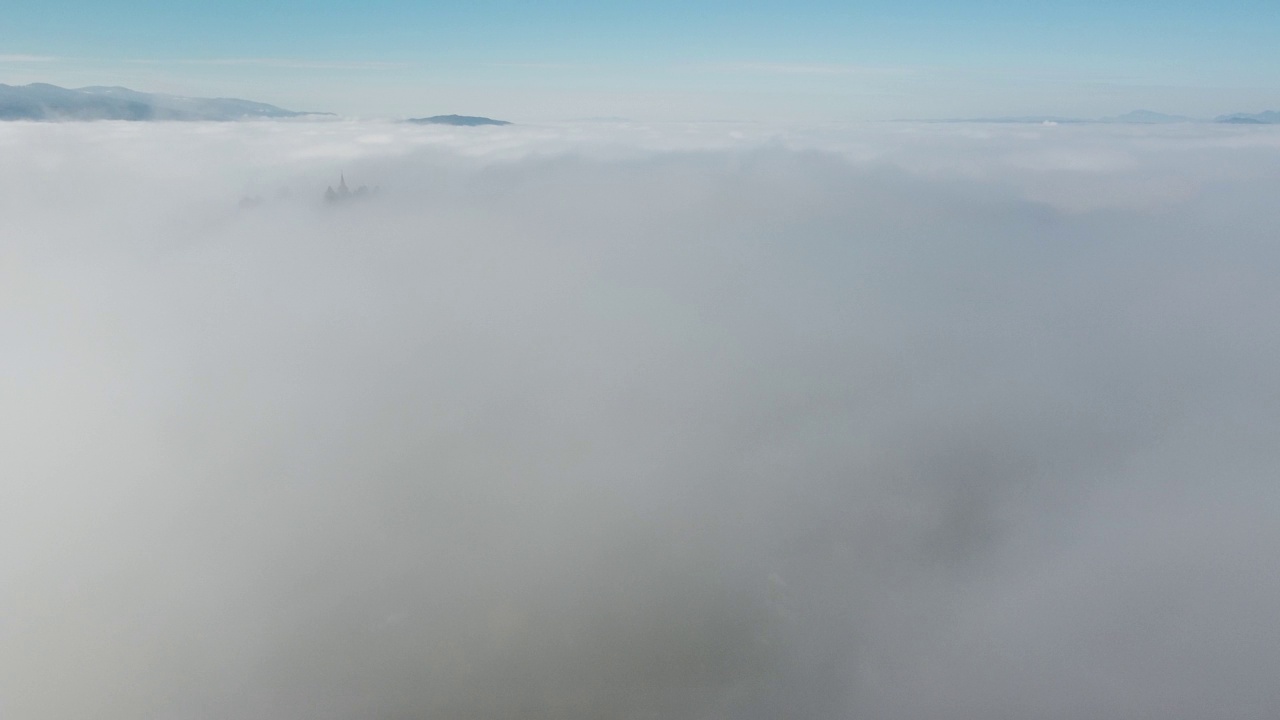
(607,419)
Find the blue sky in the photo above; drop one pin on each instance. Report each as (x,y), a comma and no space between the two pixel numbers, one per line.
(699,59)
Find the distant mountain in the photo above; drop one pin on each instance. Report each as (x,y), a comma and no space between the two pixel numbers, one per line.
(40,101)
(1147,117)
(467,120)
(1267,117)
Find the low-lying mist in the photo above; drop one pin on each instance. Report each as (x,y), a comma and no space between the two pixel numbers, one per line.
(638,422)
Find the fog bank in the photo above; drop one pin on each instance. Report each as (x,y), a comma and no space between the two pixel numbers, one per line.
(623,421)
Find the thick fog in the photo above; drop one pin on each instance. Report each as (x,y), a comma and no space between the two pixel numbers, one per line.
(618,421)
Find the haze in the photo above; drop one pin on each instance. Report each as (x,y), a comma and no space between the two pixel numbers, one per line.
(618,420)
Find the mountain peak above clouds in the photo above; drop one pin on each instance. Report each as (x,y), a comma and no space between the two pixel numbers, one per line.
(1266,117)
(42,101)
(465,120)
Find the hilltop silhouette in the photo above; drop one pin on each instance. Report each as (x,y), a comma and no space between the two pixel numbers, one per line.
(41,101)
(468,120)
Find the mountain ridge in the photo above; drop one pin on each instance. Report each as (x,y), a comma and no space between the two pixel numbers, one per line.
(1266,117)
(46,102)
(462,120)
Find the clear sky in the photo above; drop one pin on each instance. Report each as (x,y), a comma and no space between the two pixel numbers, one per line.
(811,60)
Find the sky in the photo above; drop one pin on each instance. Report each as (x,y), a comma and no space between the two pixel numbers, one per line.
(625,420)
(701,60)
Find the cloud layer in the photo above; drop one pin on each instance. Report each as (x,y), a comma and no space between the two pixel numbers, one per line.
(613,420)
